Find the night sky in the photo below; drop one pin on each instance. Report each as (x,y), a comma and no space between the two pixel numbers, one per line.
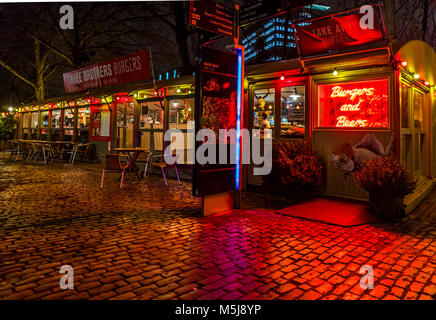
(106,30)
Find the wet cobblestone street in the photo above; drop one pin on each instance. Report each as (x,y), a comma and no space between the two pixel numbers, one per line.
(141,243)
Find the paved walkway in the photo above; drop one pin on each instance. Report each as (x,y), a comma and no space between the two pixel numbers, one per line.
(137,243)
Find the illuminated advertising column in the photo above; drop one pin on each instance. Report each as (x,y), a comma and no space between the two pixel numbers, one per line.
(217,126)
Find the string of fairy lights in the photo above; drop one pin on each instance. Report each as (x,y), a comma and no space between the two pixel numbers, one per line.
(403,64)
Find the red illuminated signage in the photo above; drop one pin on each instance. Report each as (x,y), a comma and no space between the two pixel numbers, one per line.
(354,105)
(335,33)
(133,67)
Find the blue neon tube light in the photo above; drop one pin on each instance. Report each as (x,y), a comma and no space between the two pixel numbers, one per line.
(238,118)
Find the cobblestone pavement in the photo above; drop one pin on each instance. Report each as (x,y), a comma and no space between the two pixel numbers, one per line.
(138,243)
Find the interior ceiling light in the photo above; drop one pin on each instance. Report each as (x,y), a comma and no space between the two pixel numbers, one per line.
(335,72)
(404,63)
(416,76)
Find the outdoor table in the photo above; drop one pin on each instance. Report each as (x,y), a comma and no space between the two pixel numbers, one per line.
(132,156)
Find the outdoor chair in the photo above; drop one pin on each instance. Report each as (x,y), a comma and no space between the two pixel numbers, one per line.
(113,164)
(21,149)
(162,165)
(82,150)
(37,151)
(49,152)
(66,149)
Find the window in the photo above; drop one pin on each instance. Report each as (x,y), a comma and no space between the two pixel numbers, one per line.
(26,120)
(44,124)
(44,118)
(293,117)
(181,111)
(56,119)
(404,106)
(83,124)
(353,105)
(418,110)
(34,125)
(26,116)
(264,106)
(68,124)
(83,120)
(151,113)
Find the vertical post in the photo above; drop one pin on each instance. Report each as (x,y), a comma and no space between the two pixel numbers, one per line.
(20,125)
(114,119)
(197,109)
(50,126)
(75,122)
(38,128)
(166,119)
(239,108)
(61,125)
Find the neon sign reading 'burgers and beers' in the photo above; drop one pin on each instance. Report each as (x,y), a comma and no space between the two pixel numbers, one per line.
(354,105)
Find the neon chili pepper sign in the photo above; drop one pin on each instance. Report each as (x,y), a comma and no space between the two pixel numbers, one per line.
(354,105)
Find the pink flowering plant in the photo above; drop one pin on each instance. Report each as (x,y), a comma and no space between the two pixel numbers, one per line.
(385,176)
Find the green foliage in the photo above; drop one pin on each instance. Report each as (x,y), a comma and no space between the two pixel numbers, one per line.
(7,124)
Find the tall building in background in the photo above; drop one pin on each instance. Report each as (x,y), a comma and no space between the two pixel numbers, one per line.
(273,39)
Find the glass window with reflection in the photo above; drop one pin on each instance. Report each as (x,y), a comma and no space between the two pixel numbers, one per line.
(418,110)
(83,120)
(56,119)
(44,124)
(34,125)
(181,111)
(264,106)
(151,113)
(55,124)
(25,125)
(68,124)
(83,125)
(404,106)
(293,116)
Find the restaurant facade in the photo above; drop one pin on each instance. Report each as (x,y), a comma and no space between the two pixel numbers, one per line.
(379,97)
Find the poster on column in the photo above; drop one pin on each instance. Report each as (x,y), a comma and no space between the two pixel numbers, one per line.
(100,123)
(217,112)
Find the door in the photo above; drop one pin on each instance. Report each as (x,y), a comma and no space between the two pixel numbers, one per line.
(413,129)
(418,132)
(125,124)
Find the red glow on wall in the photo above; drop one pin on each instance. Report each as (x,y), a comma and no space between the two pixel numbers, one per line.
(354,105)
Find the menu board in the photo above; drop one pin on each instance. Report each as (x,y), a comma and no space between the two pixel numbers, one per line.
(211,16)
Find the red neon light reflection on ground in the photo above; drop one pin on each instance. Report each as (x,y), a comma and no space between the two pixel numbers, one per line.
(354,105)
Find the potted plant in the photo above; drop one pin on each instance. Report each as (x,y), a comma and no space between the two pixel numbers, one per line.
(296,171)
(387,181)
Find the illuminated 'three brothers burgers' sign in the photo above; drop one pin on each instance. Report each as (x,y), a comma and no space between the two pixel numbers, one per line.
(133,67)
(354,105)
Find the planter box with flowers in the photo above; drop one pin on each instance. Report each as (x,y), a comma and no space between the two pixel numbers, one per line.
(296,171)
(387,181)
